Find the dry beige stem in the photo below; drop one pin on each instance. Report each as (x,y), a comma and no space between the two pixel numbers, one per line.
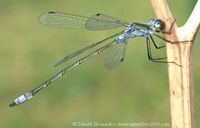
(180,78)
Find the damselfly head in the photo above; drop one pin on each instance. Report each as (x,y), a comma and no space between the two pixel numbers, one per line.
(156,24)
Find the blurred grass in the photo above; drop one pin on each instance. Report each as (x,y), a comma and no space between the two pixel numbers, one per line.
(135,91)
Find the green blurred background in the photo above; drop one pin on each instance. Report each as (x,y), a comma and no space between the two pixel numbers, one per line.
(136,91)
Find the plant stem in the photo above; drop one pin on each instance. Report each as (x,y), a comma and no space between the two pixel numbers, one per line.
(180,78)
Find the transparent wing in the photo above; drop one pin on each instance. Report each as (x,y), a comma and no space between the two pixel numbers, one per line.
(102,21)
(66,20)
(84,49)
(62,20)
(115,55)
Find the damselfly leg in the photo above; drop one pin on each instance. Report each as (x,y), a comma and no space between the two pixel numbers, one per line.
(149,53)
(170,29)
(169,32)
(155,45)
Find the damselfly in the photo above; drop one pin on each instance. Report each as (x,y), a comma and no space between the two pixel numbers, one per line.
(117,47)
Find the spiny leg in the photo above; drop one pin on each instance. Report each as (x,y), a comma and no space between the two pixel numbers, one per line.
(169,32)
(150,56)
(170,29)
(156,60)
(169,41)
(154,43)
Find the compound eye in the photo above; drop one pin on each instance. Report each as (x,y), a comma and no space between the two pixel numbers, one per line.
(158,24)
